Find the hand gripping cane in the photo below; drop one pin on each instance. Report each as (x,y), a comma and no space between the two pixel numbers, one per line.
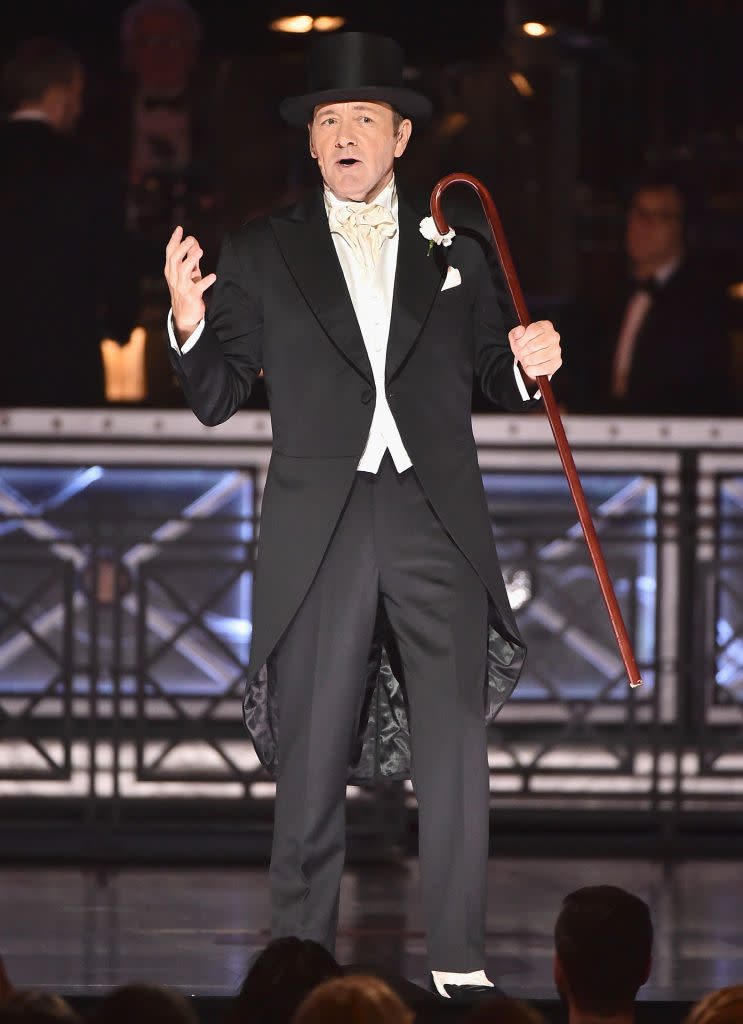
(553,414)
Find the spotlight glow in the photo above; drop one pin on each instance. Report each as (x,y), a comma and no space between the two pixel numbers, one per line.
(537,29)
(295,23)
(328,23)
(521,83)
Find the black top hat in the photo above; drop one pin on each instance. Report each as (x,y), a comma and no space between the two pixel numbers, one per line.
(355,66)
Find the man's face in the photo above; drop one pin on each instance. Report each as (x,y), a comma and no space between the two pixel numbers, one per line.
(355,145)
(655,228)
(161,51)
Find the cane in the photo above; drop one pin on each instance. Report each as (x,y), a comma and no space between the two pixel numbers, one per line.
(553,414)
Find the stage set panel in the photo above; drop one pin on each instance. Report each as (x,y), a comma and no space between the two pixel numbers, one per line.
(127,546)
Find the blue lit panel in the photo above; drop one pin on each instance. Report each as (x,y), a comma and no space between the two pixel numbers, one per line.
(553,587)
(140,580)
(729,585)
(98,564)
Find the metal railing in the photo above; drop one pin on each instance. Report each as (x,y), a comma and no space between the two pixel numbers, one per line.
(127,544)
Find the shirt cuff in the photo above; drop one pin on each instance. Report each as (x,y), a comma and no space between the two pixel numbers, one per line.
(190,341)
(519,383)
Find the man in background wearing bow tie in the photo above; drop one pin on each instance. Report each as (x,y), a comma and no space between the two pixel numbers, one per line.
(658,345)
(378,598)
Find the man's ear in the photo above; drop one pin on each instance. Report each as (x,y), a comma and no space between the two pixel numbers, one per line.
(313,152)
(403,135)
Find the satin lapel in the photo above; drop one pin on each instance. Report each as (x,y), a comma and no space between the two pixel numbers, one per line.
(307,247)
(418,280)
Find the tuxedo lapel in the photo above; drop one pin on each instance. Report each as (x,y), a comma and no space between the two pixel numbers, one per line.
(307,247)
(418,280)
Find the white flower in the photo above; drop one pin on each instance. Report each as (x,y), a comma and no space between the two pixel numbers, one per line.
(428,230)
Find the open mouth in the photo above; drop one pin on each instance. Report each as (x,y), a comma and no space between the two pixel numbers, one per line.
(348,161)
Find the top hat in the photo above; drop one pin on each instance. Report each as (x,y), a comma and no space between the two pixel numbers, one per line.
(355,66)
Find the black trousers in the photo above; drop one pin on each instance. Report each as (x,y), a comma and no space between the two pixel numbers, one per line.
(388,544)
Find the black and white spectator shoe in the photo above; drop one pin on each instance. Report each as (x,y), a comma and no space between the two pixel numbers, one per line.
(465,993)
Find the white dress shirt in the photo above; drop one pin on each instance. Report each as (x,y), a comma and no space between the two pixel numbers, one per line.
(371,296)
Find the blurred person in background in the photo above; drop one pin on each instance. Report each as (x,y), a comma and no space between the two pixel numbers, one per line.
(723,1006)
(60,217)
(144,1004)
(31,1007)
(503,1011)
(279,978)
(153,123)
(603,954)
(358,999)
(661,347)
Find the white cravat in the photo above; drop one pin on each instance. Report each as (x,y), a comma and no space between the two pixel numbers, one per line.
(371,290)
(365,227)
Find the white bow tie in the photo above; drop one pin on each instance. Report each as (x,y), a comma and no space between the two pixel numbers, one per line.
(365,226)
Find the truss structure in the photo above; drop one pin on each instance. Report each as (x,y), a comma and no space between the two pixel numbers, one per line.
(127,546)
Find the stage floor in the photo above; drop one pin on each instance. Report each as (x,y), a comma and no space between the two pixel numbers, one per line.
(83,932)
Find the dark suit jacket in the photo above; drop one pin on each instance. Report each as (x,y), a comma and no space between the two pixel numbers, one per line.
(281,303)
(681,364)
(64,282)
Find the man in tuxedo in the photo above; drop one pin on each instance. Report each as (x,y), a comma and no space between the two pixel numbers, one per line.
(663,349)
(382,633)
(59,215)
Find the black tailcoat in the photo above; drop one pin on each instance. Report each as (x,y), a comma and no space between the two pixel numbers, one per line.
(281,303)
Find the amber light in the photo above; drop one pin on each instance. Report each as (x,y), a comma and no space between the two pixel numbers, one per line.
(328,23)
(300,23)
(521,83)
(537,29)
(294,23)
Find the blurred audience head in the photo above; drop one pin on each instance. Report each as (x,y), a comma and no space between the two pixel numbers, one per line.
(603,951)
(279,978)
(45,75)
(656,222)
(503,1011)
(357,999)
(144,1004)
(31,1007)
(725,1006)
(160,42)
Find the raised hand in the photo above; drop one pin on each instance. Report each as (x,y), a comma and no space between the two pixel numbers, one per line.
(187,286)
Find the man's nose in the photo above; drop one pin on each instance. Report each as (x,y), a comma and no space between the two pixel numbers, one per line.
(345,137)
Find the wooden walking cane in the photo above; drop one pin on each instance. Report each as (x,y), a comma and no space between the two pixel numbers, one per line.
(553,414)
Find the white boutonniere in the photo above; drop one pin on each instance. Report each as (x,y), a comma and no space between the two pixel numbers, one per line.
(428,230)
